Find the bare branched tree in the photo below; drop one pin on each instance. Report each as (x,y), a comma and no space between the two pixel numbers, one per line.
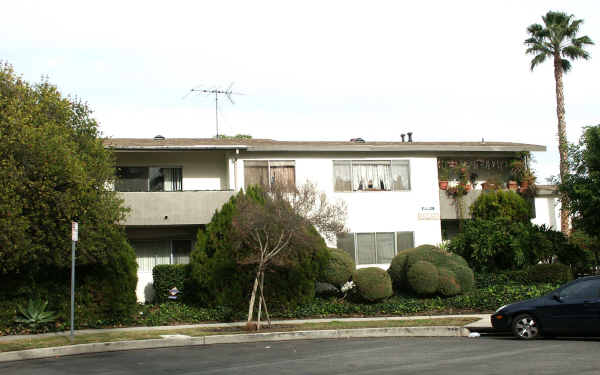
(273,234)
(307,201)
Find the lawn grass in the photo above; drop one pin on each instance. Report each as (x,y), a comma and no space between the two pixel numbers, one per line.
(62,340)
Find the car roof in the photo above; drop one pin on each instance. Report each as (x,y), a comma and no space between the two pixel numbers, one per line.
(588,278)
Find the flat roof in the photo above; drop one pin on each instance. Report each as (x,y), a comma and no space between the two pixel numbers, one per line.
(258,145)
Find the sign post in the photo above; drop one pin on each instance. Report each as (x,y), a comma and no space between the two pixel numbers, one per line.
(74,238)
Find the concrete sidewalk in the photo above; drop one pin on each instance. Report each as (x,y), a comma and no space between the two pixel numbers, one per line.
(483,322)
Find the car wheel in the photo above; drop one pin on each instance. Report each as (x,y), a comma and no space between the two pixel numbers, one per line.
(526,327)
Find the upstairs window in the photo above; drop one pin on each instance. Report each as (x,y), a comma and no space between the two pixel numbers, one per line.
(266,173)
(371,175)
(148,179)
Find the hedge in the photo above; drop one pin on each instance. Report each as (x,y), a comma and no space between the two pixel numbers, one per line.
(167,276)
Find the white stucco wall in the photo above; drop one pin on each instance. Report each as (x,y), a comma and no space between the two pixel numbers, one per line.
(547,211)
(417,210)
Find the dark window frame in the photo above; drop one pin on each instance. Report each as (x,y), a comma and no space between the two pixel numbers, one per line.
(148,178)
(270,165)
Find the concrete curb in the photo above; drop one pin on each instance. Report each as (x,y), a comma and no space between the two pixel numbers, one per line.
(442,331)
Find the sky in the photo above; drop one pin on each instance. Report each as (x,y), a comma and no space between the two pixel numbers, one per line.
(308,70)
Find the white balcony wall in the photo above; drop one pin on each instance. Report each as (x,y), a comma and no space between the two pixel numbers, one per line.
(202,170)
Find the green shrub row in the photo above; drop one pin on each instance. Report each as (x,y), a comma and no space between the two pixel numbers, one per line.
(99,300)
(480,300)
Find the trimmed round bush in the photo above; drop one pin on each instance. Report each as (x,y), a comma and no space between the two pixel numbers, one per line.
(339,269)
(427,253)
(397,270)
(423,277)
(464,276)
(373,283)
(406,259)
(448,285)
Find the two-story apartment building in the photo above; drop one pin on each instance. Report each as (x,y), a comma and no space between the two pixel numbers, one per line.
(173,186)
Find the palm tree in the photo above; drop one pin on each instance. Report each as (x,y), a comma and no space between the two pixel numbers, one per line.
(558,40)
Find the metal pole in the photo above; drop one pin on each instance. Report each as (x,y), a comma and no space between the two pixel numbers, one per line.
(217,112)
(72,288)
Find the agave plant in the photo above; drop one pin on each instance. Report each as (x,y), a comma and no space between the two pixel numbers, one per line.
(35,313)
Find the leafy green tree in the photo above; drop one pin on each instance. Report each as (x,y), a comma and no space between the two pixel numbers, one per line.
(55,169)
(582,184)
(501,204)
(557,39)
(500,235)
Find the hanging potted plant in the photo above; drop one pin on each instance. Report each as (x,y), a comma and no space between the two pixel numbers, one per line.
(443,175)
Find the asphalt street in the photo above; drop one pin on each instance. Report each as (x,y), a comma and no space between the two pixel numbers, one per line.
(484,355)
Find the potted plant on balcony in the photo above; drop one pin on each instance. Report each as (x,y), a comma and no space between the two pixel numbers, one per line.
(518,167)
(527,181)
(443,175)
(490,184)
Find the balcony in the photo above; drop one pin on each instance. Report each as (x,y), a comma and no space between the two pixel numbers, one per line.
(448,210)
(173,208)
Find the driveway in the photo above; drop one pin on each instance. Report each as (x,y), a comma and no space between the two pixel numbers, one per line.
(484,355)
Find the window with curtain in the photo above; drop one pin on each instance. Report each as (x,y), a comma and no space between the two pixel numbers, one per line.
(371,175)
(375,247)
(149,179)
(266,173)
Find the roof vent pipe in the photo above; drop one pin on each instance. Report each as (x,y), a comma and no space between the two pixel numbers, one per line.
(409,136)
(403,135)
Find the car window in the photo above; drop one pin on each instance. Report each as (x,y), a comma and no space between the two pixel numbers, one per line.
(583,289)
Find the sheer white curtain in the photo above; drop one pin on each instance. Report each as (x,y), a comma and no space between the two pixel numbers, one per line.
(342,175)
(371,175)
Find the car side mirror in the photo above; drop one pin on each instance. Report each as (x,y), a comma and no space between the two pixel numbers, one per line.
(556,297)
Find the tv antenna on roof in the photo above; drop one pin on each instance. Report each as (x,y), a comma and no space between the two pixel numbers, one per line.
(216,92)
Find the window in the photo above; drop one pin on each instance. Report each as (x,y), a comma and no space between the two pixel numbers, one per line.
(371,175)
(269,172)
(374,248)
(148,179)
(582,289)
(152,253)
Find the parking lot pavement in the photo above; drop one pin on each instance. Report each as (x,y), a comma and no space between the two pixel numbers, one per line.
(464,356)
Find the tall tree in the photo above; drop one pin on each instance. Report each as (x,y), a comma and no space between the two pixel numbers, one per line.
(557,39)
(53,169)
